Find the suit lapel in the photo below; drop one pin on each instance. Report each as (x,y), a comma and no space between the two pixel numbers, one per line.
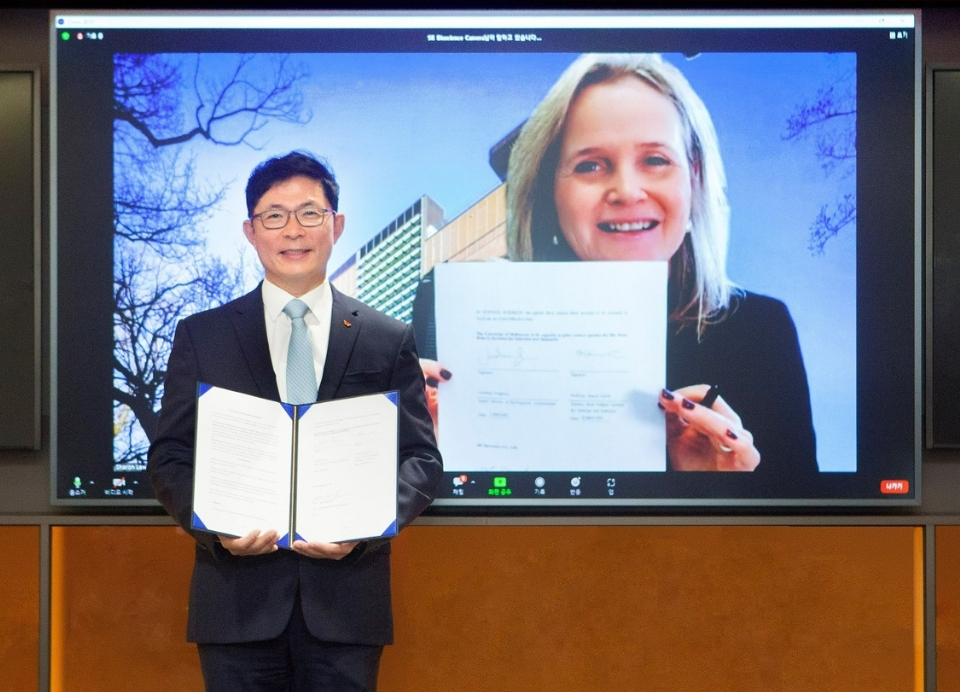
(345,326)
(248,319)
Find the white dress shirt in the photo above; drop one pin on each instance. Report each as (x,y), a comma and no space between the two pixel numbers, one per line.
(320,302)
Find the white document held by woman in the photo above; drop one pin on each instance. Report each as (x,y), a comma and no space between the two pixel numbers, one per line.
(557,365)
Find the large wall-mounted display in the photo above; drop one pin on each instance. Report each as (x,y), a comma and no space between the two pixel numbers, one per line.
(753,178)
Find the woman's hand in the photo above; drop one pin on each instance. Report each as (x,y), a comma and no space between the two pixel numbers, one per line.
(433,375)
(705,439)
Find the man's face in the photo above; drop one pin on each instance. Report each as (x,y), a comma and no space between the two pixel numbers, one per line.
(294,257)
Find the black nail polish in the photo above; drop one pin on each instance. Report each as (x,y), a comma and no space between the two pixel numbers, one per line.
(445,374)
(661,406)
(668,395)
(432,381)
(687,404)
(732,435)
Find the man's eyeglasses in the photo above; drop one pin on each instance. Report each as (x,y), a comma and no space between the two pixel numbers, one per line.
(275,219)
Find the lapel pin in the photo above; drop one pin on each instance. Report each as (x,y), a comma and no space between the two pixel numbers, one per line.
(347,324)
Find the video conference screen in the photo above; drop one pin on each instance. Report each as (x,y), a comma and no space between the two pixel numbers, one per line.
(650,259)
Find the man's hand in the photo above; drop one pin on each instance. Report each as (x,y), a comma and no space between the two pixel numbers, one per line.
(328,551)
(254,543)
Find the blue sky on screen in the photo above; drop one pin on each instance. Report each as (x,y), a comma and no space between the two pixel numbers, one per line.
(396,126)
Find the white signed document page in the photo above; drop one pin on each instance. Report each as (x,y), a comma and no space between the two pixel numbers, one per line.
(557,366)
(319,472)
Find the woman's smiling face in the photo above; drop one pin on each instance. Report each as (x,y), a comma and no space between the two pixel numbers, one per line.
(623,184)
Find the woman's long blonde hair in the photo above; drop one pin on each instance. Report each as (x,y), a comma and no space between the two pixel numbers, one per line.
(698,268)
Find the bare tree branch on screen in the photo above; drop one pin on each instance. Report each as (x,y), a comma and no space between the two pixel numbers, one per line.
(148,307)
(165,106)
(830,119)
(228,108)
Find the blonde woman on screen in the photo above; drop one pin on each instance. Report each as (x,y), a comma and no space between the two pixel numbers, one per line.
(620,161)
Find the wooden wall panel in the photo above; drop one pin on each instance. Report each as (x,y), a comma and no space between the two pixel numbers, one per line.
(948,607)
(119,610)
(19,608)
(658,608)
(545,608)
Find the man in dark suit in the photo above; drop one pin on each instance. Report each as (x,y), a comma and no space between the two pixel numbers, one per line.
(315,617)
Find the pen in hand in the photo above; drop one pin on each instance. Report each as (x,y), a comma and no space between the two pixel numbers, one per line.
(711,396)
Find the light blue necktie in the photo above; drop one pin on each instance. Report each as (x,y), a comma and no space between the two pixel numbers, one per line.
(301,377)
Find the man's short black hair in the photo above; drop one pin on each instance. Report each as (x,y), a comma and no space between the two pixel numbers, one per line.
(281,168)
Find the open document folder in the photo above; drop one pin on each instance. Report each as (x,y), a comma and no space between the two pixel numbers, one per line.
(557,366)
(315,472)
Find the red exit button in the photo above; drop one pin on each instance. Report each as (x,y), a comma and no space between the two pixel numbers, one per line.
(894,487)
